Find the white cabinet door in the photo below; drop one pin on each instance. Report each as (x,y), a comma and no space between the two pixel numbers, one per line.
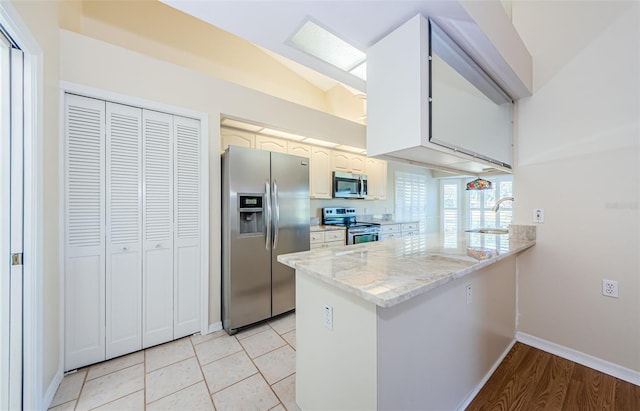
(320,172)
(157,283)
(84,298)
(232,137)
(271,144)
(187,227)
(377,179)
(124,230)
(299,149)
(348,162)
(357,163)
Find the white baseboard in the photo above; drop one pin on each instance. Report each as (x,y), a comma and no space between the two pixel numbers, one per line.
(587,360)
(52,389)
(215,327)
(484,380)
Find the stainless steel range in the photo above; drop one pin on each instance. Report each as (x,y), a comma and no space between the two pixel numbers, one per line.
(346,217)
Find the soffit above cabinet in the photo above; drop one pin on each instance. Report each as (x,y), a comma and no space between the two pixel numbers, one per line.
(482,28)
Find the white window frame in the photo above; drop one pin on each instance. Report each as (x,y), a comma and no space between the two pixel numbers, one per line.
(417,212)
(485,207)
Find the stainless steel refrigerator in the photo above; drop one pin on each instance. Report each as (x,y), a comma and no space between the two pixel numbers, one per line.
(265,213)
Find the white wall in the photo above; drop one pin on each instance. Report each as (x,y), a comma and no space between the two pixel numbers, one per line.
(577,158)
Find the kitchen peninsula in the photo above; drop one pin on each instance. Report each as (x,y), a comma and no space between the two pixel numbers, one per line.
(411,323)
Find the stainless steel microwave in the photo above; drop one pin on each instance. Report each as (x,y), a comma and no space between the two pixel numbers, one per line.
(347,185)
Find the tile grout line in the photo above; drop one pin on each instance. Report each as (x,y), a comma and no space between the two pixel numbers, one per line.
(206,384)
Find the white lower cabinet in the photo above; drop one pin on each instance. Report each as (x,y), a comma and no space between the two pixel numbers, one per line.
(132,229)
(390,231)
(328,238)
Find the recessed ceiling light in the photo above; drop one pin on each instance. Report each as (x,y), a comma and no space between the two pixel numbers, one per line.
(321,43)
(360,71)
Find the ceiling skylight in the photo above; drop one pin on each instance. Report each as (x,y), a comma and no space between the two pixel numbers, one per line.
(360,71)
(321,43)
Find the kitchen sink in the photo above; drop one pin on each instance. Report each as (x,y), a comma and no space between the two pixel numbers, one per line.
(489,230)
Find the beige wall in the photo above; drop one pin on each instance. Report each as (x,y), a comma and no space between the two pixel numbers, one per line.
(155,29)
(578,159)
(42,19)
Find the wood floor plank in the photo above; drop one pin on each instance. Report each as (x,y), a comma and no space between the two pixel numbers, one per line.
(531,379)
(519,389)
(553,386)
(507,367)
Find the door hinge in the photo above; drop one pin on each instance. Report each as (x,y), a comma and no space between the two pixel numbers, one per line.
(16,259)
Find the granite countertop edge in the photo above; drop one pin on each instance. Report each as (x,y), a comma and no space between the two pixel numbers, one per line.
(420,284)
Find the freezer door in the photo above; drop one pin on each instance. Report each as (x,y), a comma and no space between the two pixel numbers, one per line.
(246,257)
(290,182)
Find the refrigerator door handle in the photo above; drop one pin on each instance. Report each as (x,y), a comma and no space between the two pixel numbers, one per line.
(276,205)
(267,192)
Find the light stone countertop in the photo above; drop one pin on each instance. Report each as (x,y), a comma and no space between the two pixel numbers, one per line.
(390,272)
(315,228)
(390,222)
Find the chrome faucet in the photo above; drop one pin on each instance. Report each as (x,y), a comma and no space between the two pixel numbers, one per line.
(502,200)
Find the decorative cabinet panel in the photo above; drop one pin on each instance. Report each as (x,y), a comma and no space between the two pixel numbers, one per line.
(233,137)
(377,179)
(299,149)
(132,229)
(320,172)
(328,238)
(271,144)
(348,162)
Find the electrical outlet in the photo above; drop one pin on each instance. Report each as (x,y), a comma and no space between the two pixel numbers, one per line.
(610,288)
(469,294)
(538,215)
(328,317)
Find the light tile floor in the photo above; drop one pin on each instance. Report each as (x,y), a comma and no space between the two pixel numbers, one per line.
(252,370)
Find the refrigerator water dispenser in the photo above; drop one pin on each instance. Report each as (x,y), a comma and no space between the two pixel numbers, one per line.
(250,209)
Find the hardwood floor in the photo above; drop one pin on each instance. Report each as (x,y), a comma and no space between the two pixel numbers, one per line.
(531,379)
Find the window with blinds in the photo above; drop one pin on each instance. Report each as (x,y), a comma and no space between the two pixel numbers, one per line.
(411,198)
(450,190)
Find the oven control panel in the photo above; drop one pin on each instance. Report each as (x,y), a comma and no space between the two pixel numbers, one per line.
(338,212)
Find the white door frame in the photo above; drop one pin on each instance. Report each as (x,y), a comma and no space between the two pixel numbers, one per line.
(32,374)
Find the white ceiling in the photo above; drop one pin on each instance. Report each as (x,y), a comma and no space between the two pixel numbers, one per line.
(270,23)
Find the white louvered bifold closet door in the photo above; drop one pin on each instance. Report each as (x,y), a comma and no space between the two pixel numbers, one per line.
(124,230)
(84,231)
(157,228)
(187,227)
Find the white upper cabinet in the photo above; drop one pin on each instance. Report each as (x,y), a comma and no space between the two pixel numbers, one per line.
(299,149)
(271,144)
(421,109)
(348,162)
(320,172)
(376,179)
(233,137)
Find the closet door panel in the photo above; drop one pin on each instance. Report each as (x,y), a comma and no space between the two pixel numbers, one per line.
(187,221)
(124,230)
(158,228)
(84,232)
